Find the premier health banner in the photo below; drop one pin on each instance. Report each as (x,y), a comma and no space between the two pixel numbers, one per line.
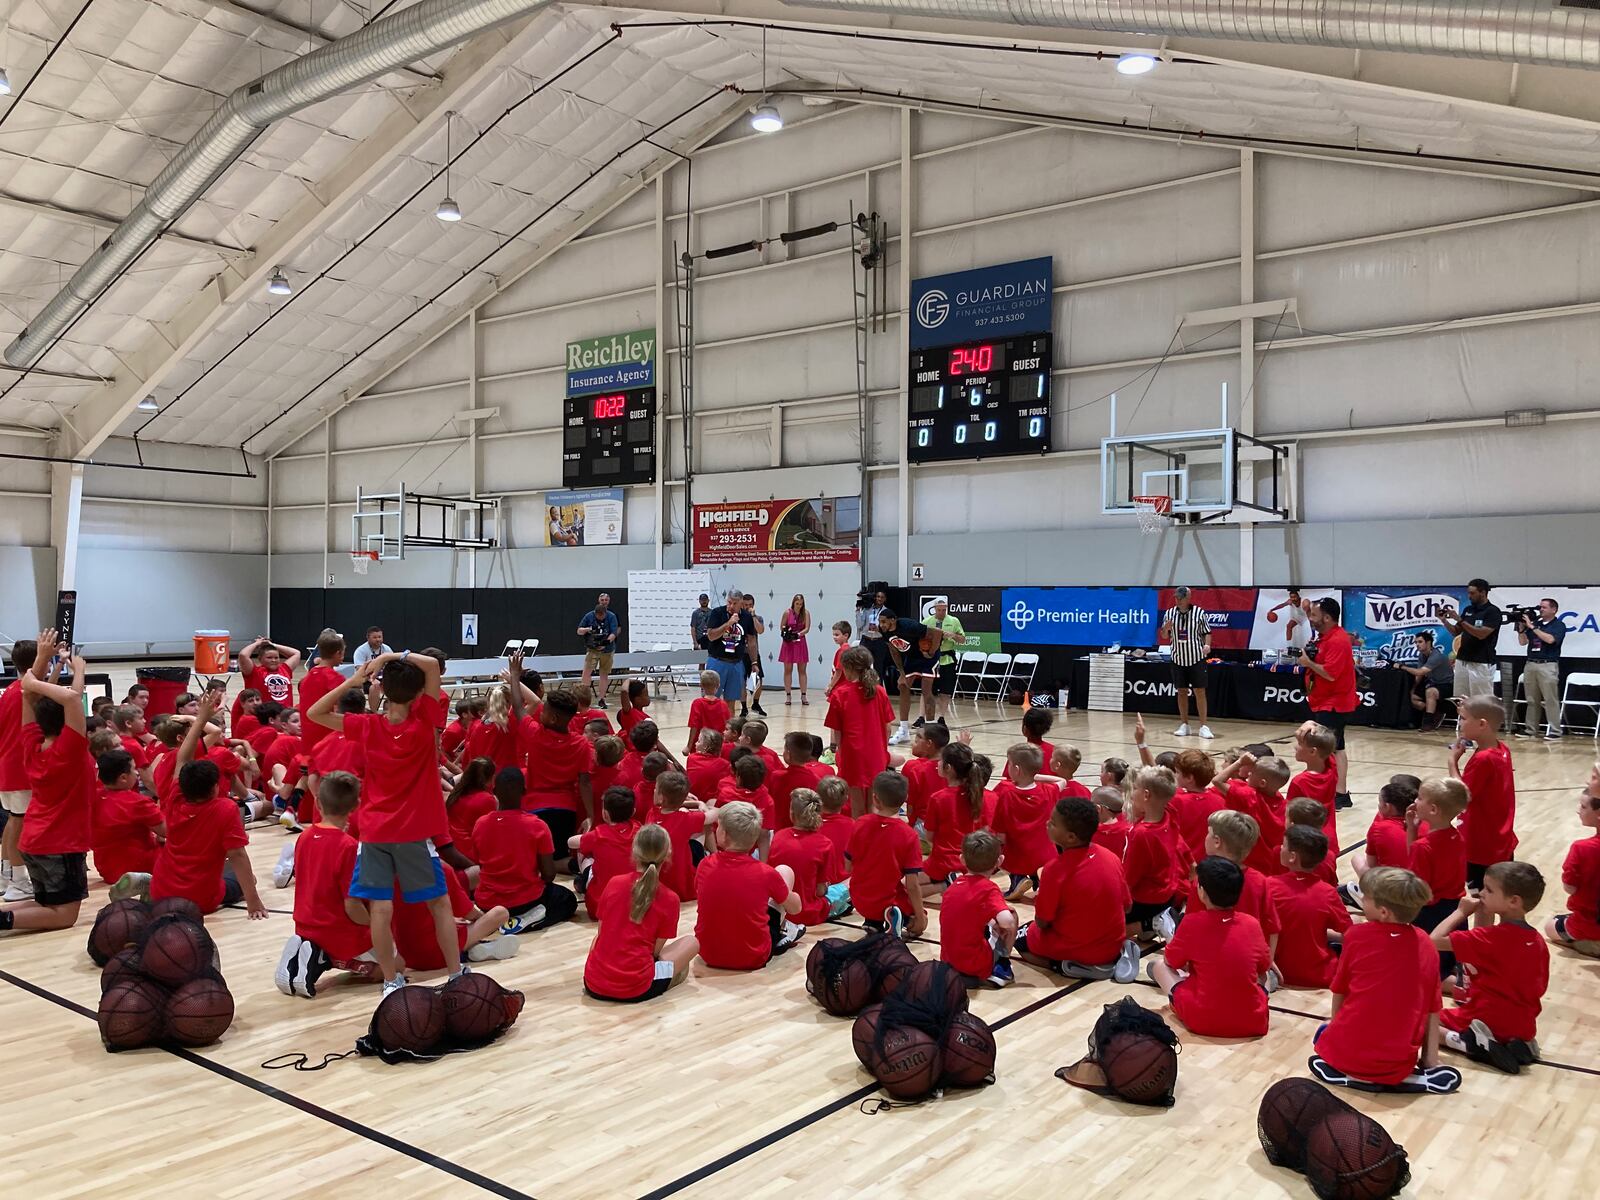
(1388,619)
(989,302)
(1078,616)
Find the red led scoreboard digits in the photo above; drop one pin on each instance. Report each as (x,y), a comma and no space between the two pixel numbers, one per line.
(980,399)
(609,439)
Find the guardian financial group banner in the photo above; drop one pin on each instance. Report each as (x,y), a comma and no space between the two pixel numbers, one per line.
(990,302)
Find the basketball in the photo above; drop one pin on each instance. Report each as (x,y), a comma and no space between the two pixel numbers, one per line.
(1290,1110)
(890,965)
(864,1032)
(124,964)
(116,928)
(907,1062)
(934,984)
(1140,1068)
(1351,1157)
(412,1019)
(180,906)
(199,1012)
(816,961)
(969,1051)
(847,991)
(1272,616)
(473,1008)
(175,950)
(130,1014)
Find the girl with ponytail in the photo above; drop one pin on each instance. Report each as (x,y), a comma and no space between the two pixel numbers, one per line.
(637,954)
(955,811)
(815,859)
(859,718)
(495,737)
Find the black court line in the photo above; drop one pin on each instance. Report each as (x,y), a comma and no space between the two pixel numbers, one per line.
(465,1174)
(913,938)
(827,1110)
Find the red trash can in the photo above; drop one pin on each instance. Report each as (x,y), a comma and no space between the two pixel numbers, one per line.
(166,684)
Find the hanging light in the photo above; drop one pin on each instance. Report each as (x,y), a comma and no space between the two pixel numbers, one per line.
(448,209)
(1137,63)
(5,83)
(148,405)
(278,285)
(766,119)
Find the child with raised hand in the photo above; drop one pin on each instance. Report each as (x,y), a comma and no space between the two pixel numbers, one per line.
(516,861)
(709,713)
(688,823)
(631,704)
(205,857)
(1022,806)
(977,928)
(471,799)
(52,880)
(637,954)
(1488,827)
(606,850)
(1213,966)
(800,770)
(331,929)
(859,719)
(1579,927)
(1315,746)
(1112,832)
(1384,1032)
(402,809)
(127,825)
(1079,915)
(1312,916)
(811,856)
(886,873)
(1507,970)
(957,809)
(1253,787)
(922,770)
(1036,722)
(1157,861)
(558,761)
(744,903)
(497,736)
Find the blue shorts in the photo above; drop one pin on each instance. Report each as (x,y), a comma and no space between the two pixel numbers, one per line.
(415,866)
(732,676)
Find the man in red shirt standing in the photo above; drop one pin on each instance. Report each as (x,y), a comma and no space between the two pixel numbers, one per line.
(14,776)
(1330,667)
(269,669)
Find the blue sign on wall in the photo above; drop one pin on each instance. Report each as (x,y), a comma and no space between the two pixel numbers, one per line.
(989,302)
(1388,620)
(1078,616)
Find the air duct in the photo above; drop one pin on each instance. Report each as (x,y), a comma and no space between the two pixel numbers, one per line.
(1537,32)
(384,46)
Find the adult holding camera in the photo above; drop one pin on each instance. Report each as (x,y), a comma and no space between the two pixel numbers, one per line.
(730,645)
(599,629)
(1330,666)
(1433,681)
(1187,628)
(1478,627)
(794,652)
(870,603)
(1542,632)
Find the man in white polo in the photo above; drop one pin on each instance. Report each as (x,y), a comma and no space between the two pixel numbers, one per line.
(1185,625)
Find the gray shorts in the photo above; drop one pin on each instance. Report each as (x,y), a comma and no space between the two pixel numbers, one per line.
(15,803)
(415,866)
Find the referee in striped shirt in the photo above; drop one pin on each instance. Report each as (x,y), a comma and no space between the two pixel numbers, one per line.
(1185,626)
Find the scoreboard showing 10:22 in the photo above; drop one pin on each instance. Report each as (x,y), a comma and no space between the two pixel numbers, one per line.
(980,399)
(609,439)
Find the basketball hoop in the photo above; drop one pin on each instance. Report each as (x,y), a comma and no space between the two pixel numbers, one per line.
(1154,512)
(360,560)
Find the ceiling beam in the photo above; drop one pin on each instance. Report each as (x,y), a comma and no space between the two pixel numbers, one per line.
(298,31)
(170,342)
(88,220)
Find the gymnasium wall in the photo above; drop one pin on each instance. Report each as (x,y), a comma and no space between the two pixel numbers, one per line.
(1429,304)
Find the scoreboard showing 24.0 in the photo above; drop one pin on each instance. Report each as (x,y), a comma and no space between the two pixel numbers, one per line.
(980,399)
(609,439)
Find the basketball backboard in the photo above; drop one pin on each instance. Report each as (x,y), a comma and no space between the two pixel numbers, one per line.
(1208,473)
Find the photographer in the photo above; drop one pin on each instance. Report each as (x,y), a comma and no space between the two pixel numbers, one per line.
(870,603)
(1478,626)
(599,629)
(1541,631)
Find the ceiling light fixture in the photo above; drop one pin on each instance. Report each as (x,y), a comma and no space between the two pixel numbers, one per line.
(448,209)
(1137,63)
(148,405)
(765,118)
(278,285)
(5,83)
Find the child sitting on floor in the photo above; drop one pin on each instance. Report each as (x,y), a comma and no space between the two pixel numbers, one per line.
(607,849)
(1022,806)
(1081,909)
(127,825)
(1579,927)
(331,930)
(1214,964)
(977,928)
(1112,832)
(1312,916)
(811,857)
(744,903)
(886,874)
(1157,861)
(516,861)
(637,954)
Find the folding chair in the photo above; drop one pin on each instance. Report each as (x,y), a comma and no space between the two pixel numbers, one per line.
(1019,664)
(661,675)
(530,647)
(996,670)
(1583,679)
(970,666)
(511,647)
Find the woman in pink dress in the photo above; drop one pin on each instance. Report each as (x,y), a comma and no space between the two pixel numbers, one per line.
(792,632)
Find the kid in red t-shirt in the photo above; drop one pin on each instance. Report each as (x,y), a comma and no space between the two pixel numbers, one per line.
(1157,861)
(127,823)
(797,771)
(1214,964)
(886,874)
(473,928)
(706,768)
(859,716)
(559,762)
(319,681)
(330,928)
(1022,805)
(1488,826)
(269,669)
(977,929)
(1063,766)
(953,812)
(1386,844)
(837,823)
(1079,915)
(708,714)
(516,861)
(841,632)
(631,705)
(1579,927)
(688,824)
(1438,857)
(1112,832)
(1196,799)
(607,849)
(1036,722)
(1253,786)
(1232,835)
(744,903)
(637,953)
(1496,1016)
(1315,746)
(1312,915)
(470,799)
(922,772)
(810,855)
(1386,998)
(748,785)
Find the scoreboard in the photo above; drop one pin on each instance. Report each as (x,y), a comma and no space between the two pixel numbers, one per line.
(609,439)
(980,399)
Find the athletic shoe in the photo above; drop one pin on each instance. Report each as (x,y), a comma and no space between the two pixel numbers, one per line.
(1271,981)
(392,985)
(940,721)
(526,923)
(1440,1081)
(134,884)
(600,703)
(1181,730)
(21,886)
(1019,887)
(758,710)
(1341,800)
(1431,722)
(1555,735)
(1521,732)
(896,922)
(288,820)
(1498,1053)
(919,723)
(288,973)
(1350,893)
(1526,1053)
(312,961)
(1127,968)
(283,869)
(494,948)
(1205,732)
(744,709)
(1001,974)
(791,934)
(463,969)
(1165,923)
(901,735)
(513,926)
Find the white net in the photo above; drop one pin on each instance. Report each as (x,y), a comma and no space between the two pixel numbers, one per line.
(360,562)
(1154,512)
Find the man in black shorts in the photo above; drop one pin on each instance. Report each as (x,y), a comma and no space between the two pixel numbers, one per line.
(914,647)
(1186,627)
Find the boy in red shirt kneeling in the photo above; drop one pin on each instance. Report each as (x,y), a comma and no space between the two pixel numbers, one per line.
(1384,1033)
(330,928)
(516,861)
(127,823)
(1496,1015)
(743,902)
(637,953)
(1213,965)
(1079,915)
(976,927)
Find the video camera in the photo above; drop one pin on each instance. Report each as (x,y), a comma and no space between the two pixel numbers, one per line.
(1516,614)
(865,595)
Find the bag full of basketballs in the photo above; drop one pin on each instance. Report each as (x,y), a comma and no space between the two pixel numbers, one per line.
(1133,1056)
(159,982)
(922,1039)
(845,976)
(1345,1154)
(420,1024)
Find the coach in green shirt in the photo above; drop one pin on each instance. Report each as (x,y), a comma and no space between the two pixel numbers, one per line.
(954,641)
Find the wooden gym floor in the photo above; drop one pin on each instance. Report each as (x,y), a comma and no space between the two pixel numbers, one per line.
(737,1084)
